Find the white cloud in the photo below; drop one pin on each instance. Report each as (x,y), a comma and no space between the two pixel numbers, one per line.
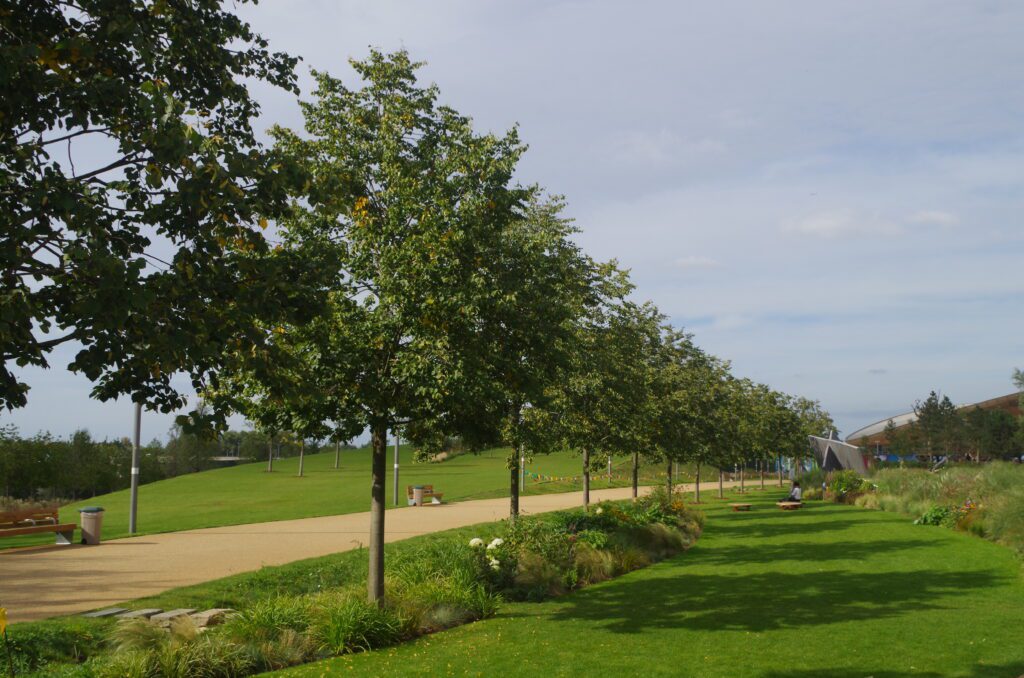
(841,223)
(695,262)
(933,218)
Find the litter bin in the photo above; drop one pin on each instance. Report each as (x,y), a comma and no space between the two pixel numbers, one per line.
(91,518)
(417,495)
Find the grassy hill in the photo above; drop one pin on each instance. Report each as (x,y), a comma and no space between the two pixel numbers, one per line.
(248,494)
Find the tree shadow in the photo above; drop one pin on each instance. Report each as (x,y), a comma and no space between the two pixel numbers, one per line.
(765,601)
(805,551)
(996,671)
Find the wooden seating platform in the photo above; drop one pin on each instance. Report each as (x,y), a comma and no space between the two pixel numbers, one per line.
(429,496)
(34,521)
(740,507)
(789,505)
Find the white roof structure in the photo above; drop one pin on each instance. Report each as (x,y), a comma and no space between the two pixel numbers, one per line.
(879,426)
(841,454)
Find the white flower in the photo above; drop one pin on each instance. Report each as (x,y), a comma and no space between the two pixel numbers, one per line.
(498,541)
(494,562)
(476,542)
(599,510)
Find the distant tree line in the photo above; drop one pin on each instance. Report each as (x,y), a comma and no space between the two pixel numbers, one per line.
(47,467)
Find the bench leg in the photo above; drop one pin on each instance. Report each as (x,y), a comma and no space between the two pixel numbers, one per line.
(65,538)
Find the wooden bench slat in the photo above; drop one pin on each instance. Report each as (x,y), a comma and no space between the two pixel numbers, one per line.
(35,529)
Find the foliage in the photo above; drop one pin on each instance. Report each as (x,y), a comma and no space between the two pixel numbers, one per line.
(34,644)
(844,485)
(124,125)
(345,623)
(985,500)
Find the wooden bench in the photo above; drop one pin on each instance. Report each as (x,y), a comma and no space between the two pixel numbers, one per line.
(428,493)
(740,507)
(789,505)
(33,521)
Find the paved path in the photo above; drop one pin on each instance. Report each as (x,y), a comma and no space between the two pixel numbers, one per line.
(40,582)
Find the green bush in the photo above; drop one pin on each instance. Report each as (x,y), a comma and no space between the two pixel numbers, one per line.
(267,619)
(845,486)
(348,624)
(69,640)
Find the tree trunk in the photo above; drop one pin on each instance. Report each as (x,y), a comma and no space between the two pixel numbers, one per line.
(743,487)
(668,473)
(636,473)
(778,466)
(270,454)
(375,582)
(513,493)
(761,465)
(696,486)
(586,479)
(609,470)
(302,455)
(721,484)
(337,453)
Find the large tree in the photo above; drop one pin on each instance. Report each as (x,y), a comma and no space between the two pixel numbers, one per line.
(600,402)
(415,208)
(133,192)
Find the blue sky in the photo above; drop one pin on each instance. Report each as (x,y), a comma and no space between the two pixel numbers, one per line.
(827,194)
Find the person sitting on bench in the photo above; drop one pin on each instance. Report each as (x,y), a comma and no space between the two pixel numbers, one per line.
(796,493)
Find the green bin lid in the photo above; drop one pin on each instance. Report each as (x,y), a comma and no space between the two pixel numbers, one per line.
(91,509)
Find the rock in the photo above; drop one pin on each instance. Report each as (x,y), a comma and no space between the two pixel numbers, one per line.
(217,615)
(169,616)
(108,612)
(140,614)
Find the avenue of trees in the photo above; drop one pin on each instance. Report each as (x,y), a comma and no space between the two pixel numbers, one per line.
(381,270)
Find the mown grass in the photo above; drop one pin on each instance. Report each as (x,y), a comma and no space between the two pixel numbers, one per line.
(830,590)
(248,494)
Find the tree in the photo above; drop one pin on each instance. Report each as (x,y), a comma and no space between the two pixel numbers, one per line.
(544,286)
(689,394)
(413,207)
(814,421)
(601,400)
(124,124)
(938,425)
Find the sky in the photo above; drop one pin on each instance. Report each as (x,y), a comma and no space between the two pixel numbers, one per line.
(829,195)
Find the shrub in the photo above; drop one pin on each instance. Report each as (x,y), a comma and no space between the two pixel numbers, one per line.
(347,624)
(210,655)
(628,558)
(593,565)
(845,486)
(289,648)
(267,619)
(37,643)
(537,578)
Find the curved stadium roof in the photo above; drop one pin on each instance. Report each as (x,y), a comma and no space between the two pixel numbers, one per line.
(1008,402)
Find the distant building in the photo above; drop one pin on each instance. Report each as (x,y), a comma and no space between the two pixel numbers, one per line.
(873,437)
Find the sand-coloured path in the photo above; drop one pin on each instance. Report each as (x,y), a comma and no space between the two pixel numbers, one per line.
(40,582)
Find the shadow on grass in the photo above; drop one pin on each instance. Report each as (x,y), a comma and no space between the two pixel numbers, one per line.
(805,551)
(766,601)
(996,671)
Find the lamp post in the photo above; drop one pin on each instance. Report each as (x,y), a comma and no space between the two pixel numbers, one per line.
(396,469)
(134,507)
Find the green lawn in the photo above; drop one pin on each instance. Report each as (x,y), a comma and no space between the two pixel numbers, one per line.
(829,591)
(248,494)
